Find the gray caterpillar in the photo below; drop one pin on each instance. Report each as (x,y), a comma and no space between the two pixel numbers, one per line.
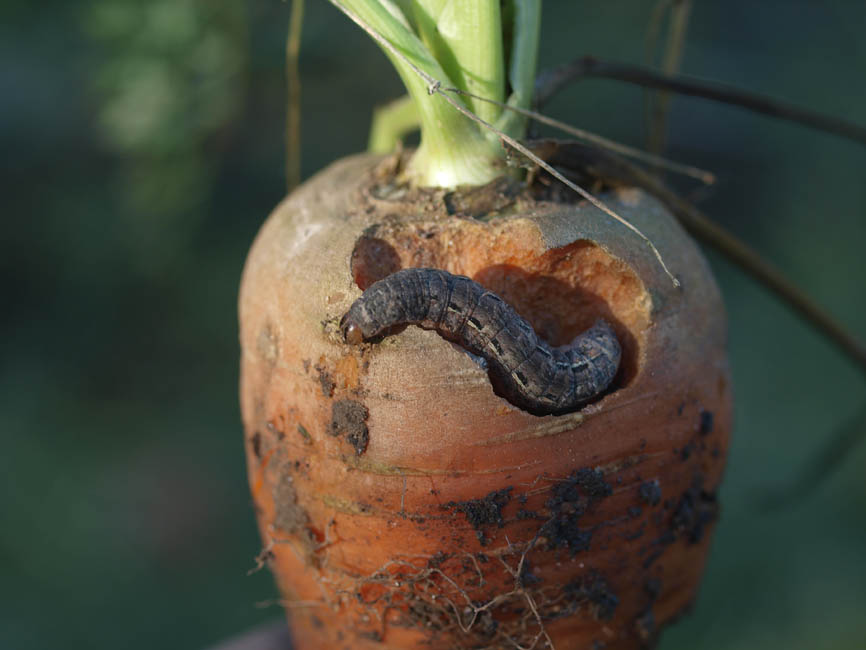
(523,368)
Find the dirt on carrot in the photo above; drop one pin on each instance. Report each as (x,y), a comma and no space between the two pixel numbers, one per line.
(349,421)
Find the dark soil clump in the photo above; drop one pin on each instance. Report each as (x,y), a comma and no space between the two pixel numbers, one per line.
(707,423)
(650,492)
(583,482)
(569,502)
(696,509)
(349,419)
(256,442)
(289,516)
(326,382)
(484,512)
(597,593)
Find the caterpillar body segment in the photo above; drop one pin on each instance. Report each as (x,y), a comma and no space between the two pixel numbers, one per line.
(523,368)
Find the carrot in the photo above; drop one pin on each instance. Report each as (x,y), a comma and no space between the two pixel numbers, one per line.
(404,499)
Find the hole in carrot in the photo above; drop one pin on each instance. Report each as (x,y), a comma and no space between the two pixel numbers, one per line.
(561,292)
(373,259)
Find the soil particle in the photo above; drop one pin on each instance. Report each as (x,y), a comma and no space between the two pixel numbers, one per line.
(706,422)
(696,509)
(653,587)
(421,614)
(526,514)
(595,591)
(288,516)
(583,482)
(256,443)
(349,419)
(635,511)
(438,558)
(564,532)
(650,492)
(569,501)
(326,381)
(483,512)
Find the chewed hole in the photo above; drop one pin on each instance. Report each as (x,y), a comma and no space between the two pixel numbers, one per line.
(558,310)
(372,260)
(561,292)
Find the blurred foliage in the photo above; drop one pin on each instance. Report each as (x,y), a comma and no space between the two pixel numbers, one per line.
(143,148)
(169,84)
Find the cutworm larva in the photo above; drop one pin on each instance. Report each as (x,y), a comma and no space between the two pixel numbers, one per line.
(523,368)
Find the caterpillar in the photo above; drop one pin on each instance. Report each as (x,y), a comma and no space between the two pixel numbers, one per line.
(523,368)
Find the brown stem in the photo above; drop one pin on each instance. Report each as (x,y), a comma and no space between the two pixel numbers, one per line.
(709,232)
(836,447)
(293,101)
(550,82)
(658,120)
(618,171)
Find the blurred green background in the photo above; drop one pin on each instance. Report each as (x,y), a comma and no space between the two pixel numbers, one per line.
(143,147)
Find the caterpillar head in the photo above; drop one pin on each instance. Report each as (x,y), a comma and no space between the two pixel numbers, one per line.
(352,333)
